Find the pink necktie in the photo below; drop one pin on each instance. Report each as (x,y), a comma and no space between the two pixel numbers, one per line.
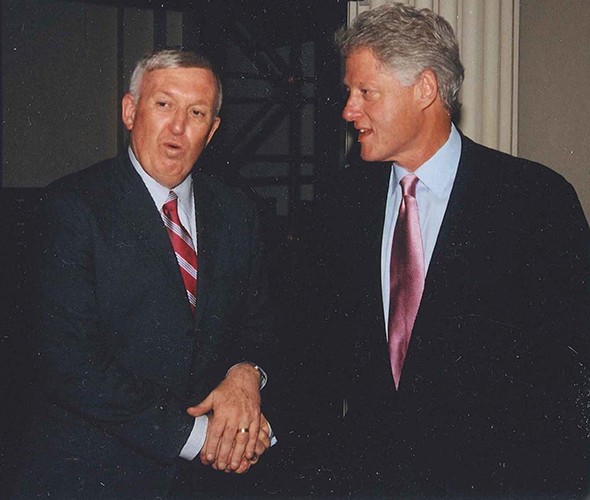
(406,276)
(183,247)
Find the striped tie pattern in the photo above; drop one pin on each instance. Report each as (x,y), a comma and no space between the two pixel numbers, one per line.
(183,247)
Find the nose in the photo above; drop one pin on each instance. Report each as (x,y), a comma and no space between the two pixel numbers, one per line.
(178,123)
(351,110)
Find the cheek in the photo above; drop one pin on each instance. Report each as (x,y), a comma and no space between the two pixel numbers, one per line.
(383,115)
(198,137)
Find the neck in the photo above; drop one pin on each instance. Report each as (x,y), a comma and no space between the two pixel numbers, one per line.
(433,134)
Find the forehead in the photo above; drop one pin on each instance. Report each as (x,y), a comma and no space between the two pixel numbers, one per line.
(191,83)
(362,64)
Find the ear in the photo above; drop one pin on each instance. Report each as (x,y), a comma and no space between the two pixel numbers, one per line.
(128,110)
(427,88)
(214,127)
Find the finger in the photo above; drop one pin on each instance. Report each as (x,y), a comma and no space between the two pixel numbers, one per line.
(244,466)
(251,445)
(231,441)
(213,442)
(262,444)
(205,461)
(263,435)
(264,425)
(203,453)
(227,468)
(239,445)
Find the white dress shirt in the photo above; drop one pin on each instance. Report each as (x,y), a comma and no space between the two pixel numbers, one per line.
(436,177)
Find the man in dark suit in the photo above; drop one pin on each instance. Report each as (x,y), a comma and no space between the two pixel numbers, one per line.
(153,308)
(463,287)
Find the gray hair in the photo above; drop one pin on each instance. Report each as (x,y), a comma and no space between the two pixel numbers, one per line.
(168,59)
(408,41)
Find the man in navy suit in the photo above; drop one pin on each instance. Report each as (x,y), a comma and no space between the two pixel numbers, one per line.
(487,394)
(142,381)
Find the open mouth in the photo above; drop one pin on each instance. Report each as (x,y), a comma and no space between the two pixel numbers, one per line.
(172,149)
(363,132)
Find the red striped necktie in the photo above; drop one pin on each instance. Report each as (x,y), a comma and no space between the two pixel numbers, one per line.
(406,278)
(183,248)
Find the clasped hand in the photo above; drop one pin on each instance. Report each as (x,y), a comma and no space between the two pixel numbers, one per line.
(232,406)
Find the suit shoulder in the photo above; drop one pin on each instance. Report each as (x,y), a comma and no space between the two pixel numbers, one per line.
(231,197)
(88,193)
(512,171)
(521,188)
(94,178)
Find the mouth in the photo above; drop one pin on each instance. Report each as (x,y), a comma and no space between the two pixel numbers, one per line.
(173,149)
(363,133)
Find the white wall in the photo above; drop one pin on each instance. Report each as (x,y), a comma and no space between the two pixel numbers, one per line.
(554,88)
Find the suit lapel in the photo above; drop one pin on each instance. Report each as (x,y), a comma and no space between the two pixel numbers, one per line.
(456,238)
(142,223)
(449,273)
(209,228)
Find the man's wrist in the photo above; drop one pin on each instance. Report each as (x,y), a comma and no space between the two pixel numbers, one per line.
(263,378)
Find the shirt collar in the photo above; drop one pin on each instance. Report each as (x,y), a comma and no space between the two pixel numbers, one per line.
(159,193)
(438,173)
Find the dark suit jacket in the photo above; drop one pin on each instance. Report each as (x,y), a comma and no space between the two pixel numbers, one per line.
(495,384)
(121,356)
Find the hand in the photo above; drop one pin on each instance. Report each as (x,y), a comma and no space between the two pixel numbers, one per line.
(262,444)
(234,404)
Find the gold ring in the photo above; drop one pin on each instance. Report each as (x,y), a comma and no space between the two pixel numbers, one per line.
(243,430)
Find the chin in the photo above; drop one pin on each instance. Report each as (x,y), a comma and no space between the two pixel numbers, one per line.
(369,157)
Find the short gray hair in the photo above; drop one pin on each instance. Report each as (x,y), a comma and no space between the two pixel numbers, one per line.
(168,59)
(408,41)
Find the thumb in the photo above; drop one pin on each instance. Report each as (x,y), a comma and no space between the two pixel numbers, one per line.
(202,408)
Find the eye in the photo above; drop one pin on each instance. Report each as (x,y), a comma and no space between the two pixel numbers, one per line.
(162,104)
(197,113)
(369,94)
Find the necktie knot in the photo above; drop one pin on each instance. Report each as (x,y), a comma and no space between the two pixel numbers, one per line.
(171,204)
(408,183)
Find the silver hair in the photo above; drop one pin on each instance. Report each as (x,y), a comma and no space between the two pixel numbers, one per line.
(168,59)
(408,41)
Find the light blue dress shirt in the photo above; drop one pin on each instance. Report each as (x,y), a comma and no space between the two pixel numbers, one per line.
(436,177)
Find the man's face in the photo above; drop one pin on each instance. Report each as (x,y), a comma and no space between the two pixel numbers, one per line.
(385,113)
(172,121)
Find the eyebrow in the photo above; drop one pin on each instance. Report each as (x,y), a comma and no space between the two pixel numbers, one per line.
(199,102)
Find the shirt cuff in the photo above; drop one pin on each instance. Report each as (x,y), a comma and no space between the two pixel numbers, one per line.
(196,439)
(271,435)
